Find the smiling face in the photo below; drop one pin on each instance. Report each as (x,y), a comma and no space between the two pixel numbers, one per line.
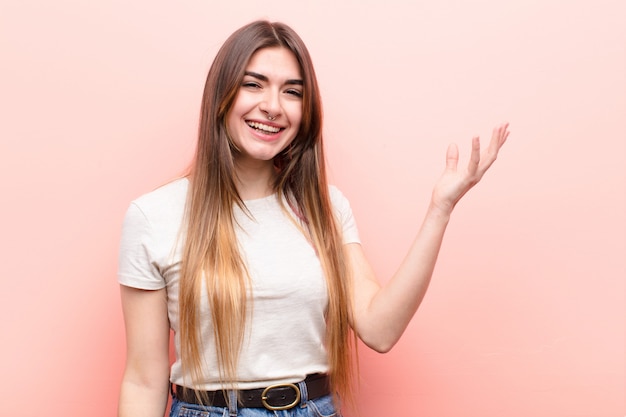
(266,114)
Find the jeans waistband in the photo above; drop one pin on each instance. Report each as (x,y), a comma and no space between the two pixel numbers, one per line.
(274,397)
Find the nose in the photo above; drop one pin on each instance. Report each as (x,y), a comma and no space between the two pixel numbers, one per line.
(270,105)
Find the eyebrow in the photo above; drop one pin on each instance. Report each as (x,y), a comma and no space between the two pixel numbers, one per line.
(262,77)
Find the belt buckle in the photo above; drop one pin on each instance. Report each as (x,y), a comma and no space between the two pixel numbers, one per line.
(264,397)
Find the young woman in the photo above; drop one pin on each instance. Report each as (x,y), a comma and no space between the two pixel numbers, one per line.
(254,261)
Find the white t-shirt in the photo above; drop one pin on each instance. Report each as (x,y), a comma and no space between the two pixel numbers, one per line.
(284,337)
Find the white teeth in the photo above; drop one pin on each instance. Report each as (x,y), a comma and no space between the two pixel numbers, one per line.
(266,128)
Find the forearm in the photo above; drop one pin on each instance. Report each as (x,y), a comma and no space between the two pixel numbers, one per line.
(143,400)
(382,314)
(392,306)
(145,385)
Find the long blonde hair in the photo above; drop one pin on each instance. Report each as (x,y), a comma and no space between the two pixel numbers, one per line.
(211,255)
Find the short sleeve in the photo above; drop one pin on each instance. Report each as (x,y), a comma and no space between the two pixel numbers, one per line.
(343,211)
(137,267)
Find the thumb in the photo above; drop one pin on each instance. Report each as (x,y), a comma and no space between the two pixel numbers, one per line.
(452,157)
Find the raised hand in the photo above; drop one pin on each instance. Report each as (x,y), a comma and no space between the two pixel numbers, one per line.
(381,313)
(454,183)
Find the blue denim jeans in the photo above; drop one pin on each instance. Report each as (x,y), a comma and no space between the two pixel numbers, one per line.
(319,407)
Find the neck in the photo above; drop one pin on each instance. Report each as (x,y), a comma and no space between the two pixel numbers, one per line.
(254,179)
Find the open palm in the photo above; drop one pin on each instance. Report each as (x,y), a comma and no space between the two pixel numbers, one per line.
(454,182)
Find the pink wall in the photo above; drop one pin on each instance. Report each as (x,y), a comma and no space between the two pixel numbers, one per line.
(526,313)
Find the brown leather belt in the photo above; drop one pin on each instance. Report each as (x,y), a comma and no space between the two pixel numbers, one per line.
(274,397)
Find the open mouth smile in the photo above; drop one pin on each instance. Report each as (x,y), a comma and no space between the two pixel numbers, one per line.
(263,128)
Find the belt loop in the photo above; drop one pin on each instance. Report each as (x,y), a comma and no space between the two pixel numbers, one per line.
(304,394)
(232,403)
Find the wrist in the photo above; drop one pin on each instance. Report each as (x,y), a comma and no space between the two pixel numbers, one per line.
(441,212)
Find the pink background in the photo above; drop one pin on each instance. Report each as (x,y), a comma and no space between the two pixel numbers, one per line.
(526,312)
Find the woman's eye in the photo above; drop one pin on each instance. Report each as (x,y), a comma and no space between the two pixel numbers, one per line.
(294,92)
(251,84)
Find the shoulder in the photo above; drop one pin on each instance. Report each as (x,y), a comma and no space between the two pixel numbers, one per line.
(340,202)
(171,193)
(343,211)
(337,198)
(162,206)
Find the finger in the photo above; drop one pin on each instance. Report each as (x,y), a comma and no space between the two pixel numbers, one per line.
(503,133)
(452,157)
(504,137)
(475,155)
(498,138)
(506,134)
